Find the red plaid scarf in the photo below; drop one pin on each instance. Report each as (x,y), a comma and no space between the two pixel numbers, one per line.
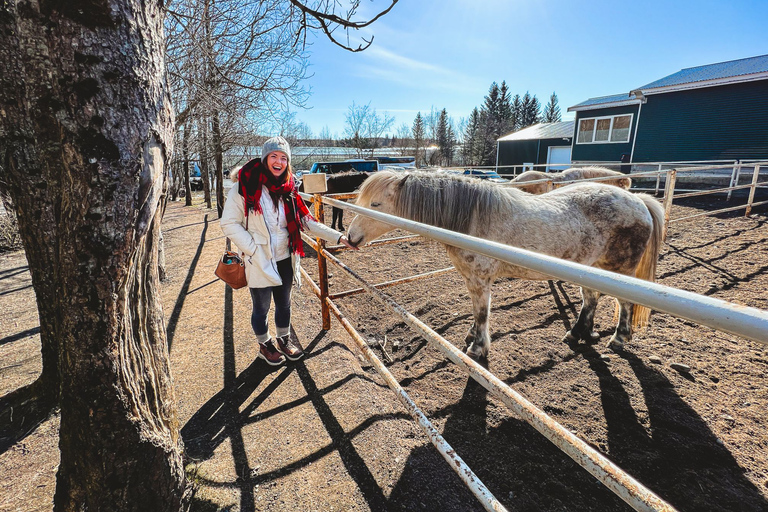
(252,177)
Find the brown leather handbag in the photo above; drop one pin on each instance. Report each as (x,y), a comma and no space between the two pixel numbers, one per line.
(231,270)
(231,267)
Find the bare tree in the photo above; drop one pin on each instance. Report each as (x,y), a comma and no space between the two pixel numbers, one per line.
(365,127)
(85,139)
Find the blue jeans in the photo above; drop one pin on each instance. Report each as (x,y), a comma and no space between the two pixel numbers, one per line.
(262,297)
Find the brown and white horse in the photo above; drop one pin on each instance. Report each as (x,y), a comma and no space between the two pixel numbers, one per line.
(593,224)
(621,180)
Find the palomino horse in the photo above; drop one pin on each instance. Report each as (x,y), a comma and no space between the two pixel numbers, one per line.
(622,180)
(593,224)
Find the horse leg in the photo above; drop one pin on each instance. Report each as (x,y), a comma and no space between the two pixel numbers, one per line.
(335,216)
(471,335)
(480,291)
(583,330)
(341,219)
(623,332)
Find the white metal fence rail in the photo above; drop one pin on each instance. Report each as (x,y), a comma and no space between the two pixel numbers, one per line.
(748,322)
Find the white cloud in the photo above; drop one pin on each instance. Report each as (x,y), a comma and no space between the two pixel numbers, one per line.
(388,66)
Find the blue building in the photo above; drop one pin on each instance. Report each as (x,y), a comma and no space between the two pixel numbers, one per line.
(712,112)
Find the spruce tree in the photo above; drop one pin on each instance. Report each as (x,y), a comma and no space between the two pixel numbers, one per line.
(506,121)
(552,110)
(517,113)
(489,125)
(443,138)
(418,137)
(471,138)
(530,110)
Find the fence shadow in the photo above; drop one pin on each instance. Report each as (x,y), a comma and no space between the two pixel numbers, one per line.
(677,455)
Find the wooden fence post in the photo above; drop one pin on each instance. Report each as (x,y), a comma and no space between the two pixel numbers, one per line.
(669,193)
(658,179)
(755,176)
(734,178)
(322,266)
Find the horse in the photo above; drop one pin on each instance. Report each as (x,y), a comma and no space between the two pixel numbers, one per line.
(340,183)
(598,225)
(580,173)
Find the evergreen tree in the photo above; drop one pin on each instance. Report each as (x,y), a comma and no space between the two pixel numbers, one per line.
(418,137)
(517,113)
(489,125)
(445,138)
(450,143)
(470,149)
(506,121)
(552,110)
(530,110)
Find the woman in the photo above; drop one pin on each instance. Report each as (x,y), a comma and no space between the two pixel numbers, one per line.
(264,215)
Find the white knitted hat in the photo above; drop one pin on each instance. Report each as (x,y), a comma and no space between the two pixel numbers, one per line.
(275,144)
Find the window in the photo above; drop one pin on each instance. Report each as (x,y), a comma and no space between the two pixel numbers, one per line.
(586,127)
(601,130)
(620,130)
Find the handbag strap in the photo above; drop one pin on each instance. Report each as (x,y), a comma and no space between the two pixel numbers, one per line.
(229,242)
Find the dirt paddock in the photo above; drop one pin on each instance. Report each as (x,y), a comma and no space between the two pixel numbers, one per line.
(327,434)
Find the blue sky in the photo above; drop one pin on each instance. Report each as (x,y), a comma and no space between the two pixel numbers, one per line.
(446,53)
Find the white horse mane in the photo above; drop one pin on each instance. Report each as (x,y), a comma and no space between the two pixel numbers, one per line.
(439,199)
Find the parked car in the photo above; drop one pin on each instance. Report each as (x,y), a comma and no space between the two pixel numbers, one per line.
(485,175)
(195,178)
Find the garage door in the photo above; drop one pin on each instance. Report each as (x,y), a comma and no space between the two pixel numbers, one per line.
(558,155)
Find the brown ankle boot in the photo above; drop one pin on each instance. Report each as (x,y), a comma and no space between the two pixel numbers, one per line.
(291,350)
(269,353)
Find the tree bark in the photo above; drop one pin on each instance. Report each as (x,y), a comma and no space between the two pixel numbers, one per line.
(85,135)
(205,172)
(185,166)
(218,157)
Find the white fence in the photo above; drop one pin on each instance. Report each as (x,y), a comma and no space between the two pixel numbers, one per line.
(743,321)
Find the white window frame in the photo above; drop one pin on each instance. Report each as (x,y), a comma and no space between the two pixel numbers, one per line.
(610,130)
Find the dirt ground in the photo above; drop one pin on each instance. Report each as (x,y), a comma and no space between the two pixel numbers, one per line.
(327,434)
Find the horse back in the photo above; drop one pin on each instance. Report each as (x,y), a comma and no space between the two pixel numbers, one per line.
(346,181)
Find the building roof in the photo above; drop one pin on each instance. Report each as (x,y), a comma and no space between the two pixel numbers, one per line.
(614,100)
(719,71)
(560,130)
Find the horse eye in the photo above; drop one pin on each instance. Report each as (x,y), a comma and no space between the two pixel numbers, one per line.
(375,205)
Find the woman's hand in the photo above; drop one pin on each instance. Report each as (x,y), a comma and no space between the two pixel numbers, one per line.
(344,241)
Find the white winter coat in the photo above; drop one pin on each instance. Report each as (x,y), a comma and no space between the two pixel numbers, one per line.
(260,264)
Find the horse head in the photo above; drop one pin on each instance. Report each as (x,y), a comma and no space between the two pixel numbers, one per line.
(379,193)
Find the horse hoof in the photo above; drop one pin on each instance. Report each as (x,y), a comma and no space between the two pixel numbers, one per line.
(569,338)
(593,337)
(474,352)
(615,344)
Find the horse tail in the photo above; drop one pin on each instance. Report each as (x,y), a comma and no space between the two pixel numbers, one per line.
(646,269)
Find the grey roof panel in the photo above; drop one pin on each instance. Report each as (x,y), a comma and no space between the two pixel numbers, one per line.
(542,131)
(614,98)
(720,70)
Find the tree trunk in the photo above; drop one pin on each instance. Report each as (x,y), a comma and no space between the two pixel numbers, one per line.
(185,166)
(218,156)
(86,132)
(205,173)
(175,181)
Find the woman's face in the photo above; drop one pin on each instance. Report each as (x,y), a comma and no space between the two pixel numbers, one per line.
(277,163)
